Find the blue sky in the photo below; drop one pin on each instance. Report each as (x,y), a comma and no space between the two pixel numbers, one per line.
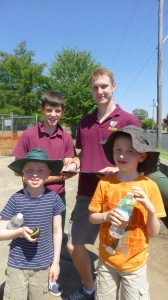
(121,35)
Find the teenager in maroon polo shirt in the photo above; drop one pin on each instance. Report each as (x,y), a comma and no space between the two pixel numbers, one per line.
(56,142)
(93,128)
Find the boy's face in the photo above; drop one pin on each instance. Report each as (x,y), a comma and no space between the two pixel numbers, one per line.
(35,174)
(102,89)
(52,115)
(126,158)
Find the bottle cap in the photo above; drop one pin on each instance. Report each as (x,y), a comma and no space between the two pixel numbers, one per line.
(130,194)
(19,216)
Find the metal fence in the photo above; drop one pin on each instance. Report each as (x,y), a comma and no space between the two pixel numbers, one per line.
(11,128)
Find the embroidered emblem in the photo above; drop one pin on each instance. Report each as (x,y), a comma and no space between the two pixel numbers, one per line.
(112,126)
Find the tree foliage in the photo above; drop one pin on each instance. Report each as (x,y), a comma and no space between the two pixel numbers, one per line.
(22,83)
(69,74)
(20,79)
(140,113)
(147,124)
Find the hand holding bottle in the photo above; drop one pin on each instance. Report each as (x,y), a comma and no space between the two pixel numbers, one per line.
(124,208)
(141,197)
(115,217)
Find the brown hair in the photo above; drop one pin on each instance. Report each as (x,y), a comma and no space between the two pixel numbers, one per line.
(101,72)
(53,99)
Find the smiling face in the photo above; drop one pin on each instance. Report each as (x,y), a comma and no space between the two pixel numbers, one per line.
(35,174)
(52,115)
(102,89)
(126,158)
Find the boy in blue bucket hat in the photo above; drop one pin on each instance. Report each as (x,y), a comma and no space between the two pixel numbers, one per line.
(33,260)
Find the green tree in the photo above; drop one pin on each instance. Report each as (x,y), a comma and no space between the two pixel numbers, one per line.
(20,79)
(140,113)
(147,124)
(69,74)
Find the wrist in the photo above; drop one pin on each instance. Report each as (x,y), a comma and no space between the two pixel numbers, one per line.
(62,178)
(55,263)
(105,217)
(151,213)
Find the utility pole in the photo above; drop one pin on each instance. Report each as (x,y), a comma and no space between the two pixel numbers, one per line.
(159,75)
(153,113)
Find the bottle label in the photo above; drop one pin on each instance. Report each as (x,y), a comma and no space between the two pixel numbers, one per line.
(126,214)
(126,206)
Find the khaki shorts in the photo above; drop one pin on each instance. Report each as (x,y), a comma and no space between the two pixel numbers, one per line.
(21,284)
(80,230)
(130,286)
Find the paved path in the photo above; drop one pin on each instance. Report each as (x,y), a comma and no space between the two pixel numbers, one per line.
(69,278)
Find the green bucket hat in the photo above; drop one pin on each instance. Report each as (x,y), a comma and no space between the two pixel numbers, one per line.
(38,155)
(140,143)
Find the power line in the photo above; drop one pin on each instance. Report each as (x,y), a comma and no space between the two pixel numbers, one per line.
(139,73)
(137,36)
(126,31)
(140,51)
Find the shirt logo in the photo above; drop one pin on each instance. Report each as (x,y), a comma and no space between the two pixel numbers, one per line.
(112,126)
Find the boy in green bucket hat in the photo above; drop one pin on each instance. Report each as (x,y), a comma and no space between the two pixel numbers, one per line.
(32,261)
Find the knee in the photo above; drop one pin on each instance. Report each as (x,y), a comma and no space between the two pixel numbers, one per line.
(74,249)
(70,248)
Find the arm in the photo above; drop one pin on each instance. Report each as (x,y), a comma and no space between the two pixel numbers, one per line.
(153,225)
(72,166)
(98,218)
(107,171)
(10,234)
(57,241)
(97,215)
(113,216)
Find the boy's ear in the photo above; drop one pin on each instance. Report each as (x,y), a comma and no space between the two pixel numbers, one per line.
(114,86)
(142,157)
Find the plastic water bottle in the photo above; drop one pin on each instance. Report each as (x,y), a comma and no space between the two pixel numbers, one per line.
(16,221)
(125,206)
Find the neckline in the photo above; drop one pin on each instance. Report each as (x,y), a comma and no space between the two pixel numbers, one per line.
(120,180)
(33,197)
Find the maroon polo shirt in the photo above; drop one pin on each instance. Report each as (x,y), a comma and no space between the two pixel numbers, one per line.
(57,146)
(90,134)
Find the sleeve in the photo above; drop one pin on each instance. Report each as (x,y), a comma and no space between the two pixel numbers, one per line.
(96,204)
(78,138)
(156,200)
(69,146)
(9,209)
(22,146)
(134,121)
(162,182)
(59,206)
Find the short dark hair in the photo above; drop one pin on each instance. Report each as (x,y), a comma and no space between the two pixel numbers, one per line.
(53,99)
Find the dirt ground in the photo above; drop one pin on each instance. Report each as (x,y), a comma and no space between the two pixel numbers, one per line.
(158,263)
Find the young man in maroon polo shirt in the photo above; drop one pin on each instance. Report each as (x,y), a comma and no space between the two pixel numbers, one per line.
(93,128)
(56,142)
